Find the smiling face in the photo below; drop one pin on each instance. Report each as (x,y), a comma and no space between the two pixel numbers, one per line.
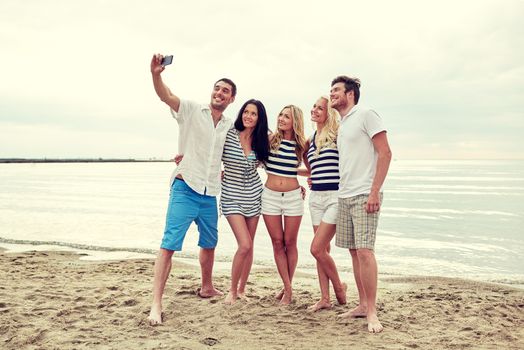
(339,97)
(319,111)
(250,116)
(285,120)
(222,95)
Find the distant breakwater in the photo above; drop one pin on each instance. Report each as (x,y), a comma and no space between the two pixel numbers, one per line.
(78,160)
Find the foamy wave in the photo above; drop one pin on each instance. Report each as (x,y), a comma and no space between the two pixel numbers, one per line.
(456,178)
(473,193)
(449,211)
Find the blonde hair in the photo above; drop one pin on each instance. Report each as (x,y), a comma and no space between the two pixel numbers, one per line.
(327,137)
(298,133)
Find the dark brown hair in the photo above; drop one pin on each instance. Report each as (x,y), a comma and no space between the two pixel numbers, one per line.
(350,84)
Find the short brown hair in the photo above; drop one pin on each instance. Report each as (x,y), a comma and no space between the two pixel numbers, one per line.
(350,84)
(230,82)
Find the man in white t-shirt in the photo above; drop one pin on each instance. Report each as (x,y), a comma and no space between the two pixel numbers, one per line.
(364,161)
(195,182)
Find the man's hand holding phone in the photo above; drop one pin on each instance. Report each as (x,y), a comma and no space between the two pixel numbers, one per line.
(159,63)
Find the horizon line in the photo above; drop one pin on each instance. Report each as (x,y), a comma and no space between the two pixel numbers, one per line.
(158,159)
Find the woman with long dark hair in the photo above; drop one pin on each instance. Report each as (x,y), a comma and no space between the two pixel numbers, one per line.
(240,201)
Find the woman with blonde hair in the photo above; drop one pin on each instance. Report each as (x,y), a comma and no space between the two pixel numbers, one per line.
(322,163)
(282,201)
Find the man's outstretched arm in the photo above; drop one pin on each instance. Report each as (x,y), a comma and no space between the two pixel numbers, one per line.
(161,89)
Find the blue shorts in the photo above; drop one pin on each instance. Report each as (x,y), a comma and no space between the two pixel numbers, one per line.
(186,206)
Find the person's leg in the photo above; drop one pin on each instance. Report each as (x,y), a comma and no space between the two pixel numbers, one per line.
(365,227)
(206,257)
(320,250)
(161,273)
(365,235)
(323,280)
(345,238)
(207,222)
(291,226)
(252,223)
(181,211)
(361,309)
(276,232)
(368,277)
(316,210)
(241,232)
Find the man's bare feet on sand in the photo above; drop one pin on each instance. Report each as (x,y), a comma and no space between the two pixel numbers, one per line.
(341,294)
(319,305)
(359,311)
(231,298)
(208,293)
(279,295)
(374,325)
(286,299)
(155,315)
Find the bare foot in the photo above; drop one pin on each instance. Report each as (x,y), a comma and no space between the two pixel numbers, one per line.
(155,315)
(208,293)
(359,311)
(230,298)
(242,295)
(341,294)
(286,299)
(374,325)
(319,305)
(279,295)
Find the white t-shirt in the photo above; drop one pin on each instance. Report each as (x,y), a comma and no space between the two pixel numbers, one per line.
(357,155)
(202,144)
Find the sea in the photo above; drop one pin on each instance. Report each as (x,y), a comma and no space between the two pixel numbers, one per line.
(450,218)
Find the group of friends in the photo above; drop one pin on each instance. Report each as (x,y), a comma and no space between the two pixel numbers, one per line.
(346,161)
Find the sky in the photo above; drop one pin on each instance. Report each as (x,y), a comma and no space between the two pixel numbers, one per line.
(447,77)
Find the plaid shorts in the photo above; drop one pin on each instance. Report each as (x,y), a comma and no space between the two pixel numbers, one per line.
(356,229)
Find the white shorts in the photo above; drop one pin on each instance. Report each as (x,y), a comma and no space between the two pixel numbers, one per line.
(282,203)
(323,206)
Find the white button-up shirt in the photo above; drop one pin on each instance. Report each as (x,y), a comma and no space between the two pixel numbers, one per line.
(202,144)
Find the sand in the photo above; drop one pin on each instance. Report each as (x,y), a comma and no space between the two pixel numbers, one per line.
(54,300)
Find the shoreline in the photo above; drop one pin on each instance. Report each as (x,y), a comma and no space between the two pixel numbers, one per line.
(54,299)
(78,160)
(222,263)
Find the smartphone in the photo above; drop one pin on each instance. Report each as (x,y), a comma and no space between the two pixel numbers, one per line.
(167,60)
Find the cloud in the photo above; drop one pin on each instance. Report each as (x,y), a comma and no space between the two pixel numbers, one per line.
(437,72)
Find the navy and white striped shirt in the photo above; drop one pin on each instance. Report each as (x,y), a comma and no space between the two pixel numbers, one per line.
(324,167)
(284,162)
(241,185)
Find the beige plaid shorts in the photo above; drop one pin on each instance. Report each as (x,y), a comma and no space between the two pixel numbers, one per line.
(356,229)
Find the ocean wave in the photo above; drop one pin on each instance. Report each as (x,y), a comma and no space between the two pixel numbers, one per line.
(450,211)
(456,178)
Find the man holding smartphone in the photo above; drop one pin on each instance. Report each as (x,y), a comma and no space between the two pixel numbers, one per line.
(195,182)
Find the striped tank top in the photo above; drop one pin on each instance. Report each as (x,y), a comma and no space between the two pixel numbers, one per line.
(284,162)
(324,167)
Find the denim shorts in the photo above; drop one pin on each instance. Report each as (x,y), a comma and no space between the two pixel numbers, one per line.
(186,206)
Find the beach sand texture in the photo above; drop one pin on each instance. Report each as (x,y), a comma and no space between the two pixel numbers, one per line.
(53,300)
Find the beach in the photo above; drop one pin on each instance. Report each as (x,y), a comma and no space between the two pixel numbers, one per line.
(56,300)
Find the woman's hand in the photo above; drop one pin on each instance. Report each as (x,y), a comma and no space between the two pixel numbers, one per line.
(178,158)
